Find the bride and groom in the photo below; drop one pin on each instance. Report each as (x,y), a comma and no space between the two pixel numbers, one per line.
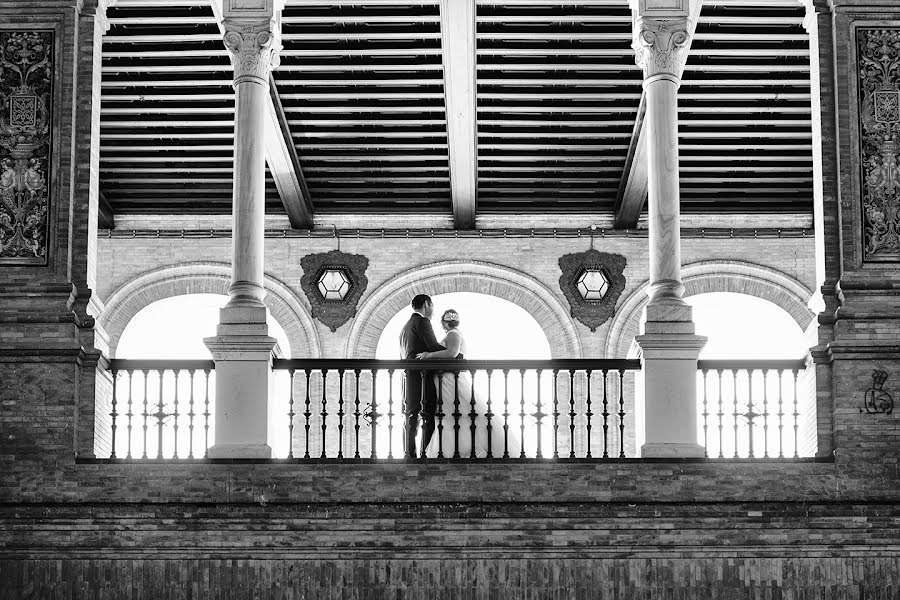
(418,341)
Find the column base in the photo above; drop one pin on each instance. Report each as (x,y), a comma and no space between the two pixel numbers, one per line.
(239,451)
(672,450)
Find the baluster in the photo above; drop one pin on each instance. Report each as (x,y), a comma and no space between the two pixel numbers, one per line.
(588,414)
(439,415)
(751,414)
(765,413)
(191,415)
(356,413)
(539,415)
(706,413)
(307,414)
(159,416)
(505,413)
(373,415)
(130,413)
(145,414)
(473,414)
(572,413)
(555,413)
(605,414)
(206,415)
(175,414)
(456,414)
(291,414)
(390,413)
(324,412)
(340,414)
(796,417)
(734,394)
(113,414)
(721,415)
(522,413)
(489,415)
(780,413)
(621,413)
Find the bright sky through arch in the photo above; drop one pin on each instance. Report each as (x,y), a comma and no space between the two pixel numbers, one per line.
(494,328)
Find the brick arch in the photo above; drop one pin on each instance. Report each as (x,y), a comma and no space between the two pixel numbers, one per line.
(206,278)
(714,276)
(463,276)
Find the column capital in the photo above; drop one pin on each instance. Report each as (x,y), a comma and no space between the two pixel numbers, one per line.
(662,34)
(252,35)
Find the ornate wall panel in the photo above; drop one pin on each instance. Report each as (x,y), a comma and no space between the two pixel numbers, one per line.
(25,117)
(878,63)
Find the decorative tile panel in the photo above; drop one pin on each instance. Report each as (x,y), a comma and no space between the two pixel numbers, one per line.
(878,64)
(25,125)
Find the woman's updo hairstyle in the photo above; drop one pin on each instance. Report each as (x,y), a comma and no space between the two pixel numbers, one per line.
(450,318)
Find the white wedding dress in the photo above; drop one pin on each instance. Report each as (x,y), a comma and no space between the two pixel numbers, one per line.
(450,387)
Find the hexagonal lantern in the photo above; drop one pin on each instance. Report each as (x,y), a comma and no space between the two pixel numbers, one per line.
(334,284)
(592,284)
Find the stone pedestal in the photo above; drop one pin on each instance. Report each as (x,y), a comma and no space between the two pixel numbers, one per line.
(244,382)
(669,351)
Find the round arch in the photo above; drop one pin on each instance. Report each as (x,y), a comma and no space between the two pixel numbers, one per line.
(206,278)
(463,276)
(713,276)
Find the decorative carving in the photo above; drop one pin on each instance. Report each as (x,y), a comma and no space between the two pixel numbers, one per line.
(661,46)
(334,313)
(876,400)
(25,89)
(254,48)
(592,313)
(878,63)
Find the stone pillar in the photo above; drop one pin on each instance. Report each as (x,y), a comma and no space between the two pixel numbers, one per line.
(819,24)
(242,347)
(669,346)
(863,351)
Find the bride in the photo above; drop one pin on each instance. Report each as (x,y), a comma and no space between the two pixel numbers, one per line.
(448,385)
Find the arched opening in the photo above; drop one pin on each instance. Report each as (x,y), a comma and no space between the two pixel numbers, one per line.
(746,327)
(173,329)
(494,328)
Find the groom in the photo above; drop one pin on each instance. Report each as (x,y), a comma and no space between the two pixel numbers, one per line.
(415,337)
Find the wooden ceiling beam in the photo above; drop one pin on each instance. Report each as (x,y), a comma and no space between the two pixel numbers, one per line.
(106,218)
(284,164)
(458,51)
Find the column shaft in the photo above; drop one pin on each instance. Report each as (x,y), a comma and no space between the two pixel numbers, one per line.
(663,197)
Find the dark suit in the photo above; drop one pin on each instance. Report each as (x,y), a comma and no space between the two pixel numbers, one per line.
(418,336)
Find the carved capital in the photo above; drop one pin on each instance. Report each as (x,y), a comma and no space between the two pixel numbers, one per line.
(661,46)
(254,47)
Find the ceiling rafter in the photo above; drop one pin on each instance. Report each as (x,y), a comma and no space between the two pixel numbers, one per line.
(458,46)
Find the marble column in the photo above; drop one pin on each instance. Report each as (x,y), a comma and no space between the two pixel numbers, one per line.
(242,347)
(669,346)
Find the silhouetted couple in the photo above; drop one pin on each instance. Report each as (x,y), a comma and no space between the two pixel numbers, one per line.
(417,341)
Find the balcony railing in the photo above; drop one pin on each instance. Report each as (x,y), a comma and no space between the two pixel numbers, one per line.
(486,409)
(751,408)
(352,409)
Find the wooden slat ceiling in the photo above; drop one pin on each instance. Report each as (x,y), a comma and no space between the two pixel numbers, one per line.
(362,86)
